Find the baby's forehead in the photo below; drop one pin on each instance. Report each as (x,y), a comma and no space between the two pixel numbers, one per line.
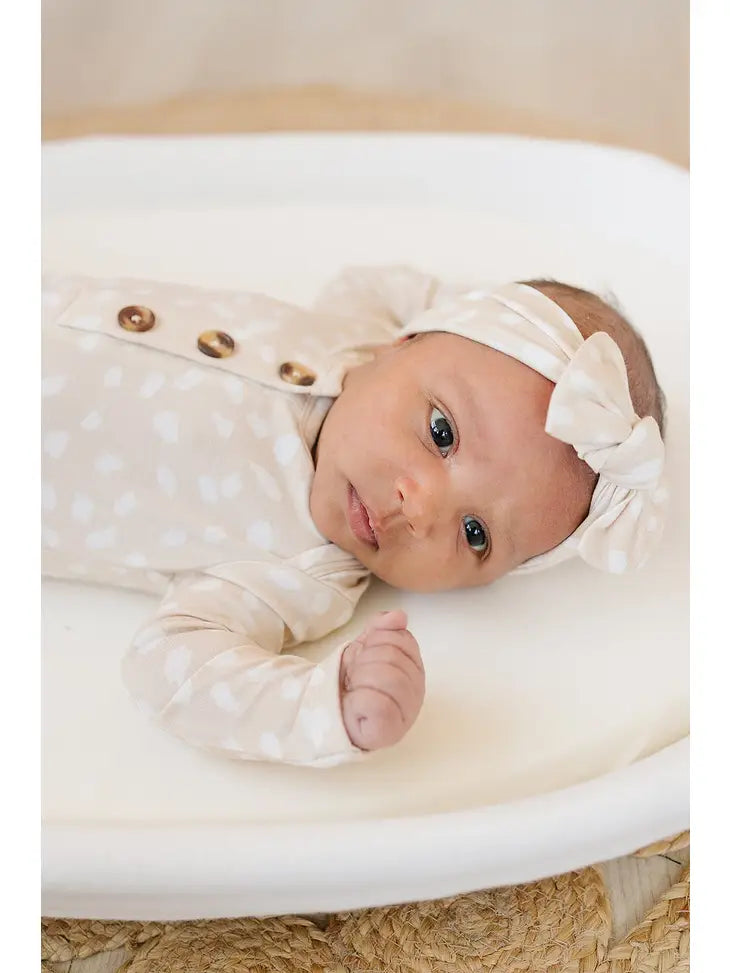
(489,378)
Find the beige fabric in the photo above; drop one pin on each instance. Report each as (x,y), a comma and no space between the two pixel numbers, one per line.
(169,471)
(176,473)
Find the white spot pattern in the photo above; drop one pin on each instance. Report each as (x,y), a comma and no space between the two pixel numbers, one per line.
(102,539)
(167,480)
(234,388)
(285,578)
(222,696)
(108,463)
(52,385)
(82,508)
(208,489)
(290,688)
(561,414)
(224,426)
(189,379)
(270,745)
(50,537)
(91,421)
(177,663)
(259,425)
(167,425)
(125,504)
(582,382)
(49,499)
(222,311)
(88,342)
(213,534)
(316,722)
(113,377)
(316,677)
(50,299)
(152,384)
(286,448)
(174,537)
(55,443)
(261,534)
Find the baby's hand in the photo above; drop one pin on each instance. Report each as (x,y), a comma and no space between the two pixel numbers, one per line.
(382,682)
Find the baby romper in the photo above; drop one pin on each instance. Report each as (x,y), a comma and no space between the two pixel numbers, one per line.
(178,428)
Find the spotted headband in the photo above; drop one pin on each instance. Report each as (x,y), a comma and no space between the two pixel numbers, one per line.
(590,408)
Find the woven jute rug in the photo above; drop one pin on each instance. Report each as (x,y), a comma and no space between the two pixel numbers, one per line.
(557,925)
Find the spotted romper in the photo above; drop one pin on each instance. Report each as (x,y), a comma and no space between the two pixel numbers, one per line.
(177,430)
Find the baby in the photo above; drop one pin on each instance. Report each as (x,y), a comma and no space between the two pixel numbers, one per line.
(255,463)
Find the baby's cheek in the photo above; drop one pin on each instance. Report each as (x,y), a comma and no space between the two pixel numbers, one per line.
(423,572)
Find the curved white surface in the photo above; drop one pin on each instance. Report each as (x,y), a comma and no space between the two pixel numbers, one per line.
(541,747)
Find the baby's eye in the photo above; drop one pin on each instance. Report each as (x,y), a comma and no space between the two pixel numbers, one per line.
(441,431)
(477,536)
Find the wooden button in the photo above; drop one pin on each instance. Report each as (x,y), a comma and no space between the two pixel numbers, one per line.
(136,318)
(216,344)
(297,374)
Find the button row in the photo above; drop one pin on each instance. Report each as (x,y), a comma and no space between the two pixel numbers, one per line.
(215,344)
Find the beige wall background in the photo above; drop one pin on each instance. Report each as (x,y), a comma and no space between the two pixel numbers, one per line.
(613,71)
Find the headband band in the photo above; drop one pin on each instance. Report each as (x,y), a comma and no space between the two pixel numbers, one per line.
(590,408)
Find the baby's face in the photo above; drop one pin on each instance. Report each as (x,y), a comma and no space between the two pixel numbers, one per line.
(439,446)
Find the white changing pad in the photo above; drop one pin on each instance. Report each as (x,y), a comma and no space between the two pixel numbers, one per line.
(553,680)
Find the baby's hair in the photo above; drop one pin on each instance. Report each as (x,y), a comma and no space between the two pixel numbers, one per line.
(591,314)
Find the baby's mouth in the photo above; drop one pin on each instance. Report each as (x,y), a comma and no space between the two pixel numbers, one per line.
(359,519)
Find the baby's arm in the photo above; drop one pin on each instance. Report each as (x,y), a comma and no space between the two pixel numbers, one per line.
(208,668)
(395,294)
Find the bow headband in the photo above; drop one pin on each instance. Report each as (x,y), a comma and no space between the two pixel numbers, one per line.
(590,408)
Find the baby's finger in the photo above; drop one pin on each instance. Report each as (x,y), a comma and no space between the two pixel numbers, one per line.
(402,640)
(391,656)
(405,696)
(389,621)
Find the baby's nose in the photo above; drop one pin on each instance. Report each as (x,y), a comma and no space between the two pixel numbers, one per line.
(419,504)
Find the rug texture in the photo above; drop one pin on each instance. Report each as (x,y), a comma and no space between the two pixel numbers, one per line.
(557,925)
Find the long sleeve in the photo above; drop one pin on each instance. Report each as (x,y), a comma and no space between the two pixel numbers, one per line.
(392,293)
(208,666)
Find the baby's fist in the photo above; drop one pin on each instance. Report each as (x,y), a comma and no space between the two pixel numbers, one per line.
(382,682)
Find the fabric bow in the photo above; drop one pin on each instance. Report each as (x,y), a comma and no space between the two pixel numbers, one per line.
(591,409)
